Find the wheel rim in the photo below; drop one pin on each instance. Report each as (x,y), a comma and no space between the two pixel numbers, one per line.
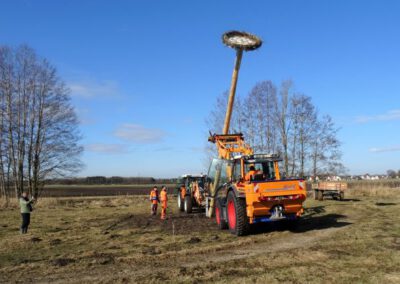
(231,214)
(217,217)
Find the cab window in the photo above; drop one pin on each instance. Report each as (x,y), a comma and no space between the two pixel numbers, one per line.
(265,170)
(237,174)
(218,171)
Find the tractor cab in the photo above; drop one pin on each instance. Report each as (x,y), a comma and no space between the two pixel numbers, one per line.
(187,180)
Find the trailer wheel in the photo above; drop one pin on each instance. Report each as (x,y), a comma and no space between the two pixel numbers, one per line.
(320,195)
(219,216)
(188,204)
(238,222)
(180,202)
(316,194)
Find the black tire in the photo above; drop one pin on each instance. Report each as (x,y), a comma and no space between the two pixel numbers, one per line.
(188,204)
(219,215)
(238,222)
(180,202)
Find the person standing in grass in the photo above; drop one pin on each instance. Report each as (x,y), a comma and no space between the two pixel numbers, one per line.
(154,200)
(26,208)
(163,199)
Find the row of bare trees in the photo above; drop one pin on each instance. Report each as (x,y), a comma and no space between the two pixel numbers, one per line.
(279,120)
(38,126)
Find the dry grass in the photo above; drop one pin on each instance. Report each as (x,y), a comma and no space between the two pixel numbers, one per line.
(374,184)
(114,240)
(374,192)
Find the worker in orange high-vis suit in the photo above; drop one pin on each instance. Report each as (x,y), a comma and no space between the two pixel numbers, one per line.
(154,200)
(251,173)
(164,200)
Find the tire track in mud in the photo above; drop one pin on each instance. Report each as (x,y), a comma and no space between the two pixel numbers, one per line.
(293,241)
(175,260)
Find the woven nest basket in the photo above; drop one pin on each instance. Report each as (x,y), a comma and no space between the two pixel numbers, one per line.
(241,40)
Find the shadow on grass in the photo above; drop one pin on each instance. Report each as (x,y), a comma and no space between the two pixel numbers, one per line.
(343,200)
(308,223)
(310,211)
(385,203)
(350,200)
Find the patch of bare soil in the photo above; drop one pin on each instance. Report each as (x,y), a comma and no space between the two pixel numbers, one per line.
(177,224)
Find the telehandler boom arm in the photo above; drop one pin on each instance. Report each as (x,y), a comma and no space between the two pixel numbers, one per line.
(230,144)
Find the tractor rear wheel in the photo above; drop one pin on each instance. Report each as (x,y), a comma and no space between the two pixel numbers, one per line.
(188,204)
(219,215)
(180,202)
(238,222)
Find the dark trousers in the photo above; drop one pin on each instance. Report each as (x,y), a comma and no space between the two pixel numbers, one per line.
(26,220)
(154,209)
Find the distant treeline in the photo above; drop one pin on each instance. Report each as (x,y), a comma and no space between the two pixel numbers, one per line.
(110,180)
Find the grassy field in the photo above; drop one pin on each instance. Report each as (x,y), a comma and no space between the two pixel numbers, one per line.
(115,240)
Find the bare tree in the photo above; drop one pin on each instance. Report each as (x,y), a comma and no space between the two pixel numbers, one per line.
(304,119)
(215,122)
(325,148)
(259,117)
(283,121)
(391,173)
(39,127)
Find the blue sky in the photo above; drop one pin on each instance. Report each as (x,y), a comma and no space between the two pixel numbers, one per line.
(144,74)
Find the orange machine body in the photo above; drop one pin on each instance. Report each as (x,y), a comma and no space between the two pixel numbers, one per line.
(266,194)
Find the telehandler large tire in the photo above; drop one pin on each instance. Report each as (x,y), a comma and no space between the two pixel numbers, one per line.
(219,215)
(238,222)
(188,204)
(180,202)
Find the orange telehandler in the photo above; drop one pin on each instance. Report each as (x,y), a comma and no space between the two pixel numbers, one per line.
(246,188)
(264,197)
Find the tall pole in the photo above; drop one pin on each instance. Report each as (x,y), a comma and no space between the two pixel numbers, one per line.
(231,100)
(232,91)
(239,41)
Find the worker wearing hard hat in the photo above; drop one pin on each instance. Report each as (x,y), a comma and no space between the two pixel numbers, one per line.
(251,173)
(154,200)
(164,200)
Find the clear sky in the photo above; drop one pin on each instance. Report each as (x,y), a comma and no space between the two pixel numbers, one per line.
(144,74)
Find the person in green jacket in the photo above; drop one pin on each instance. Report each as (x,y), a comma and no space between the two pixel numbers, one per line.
(26,208)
